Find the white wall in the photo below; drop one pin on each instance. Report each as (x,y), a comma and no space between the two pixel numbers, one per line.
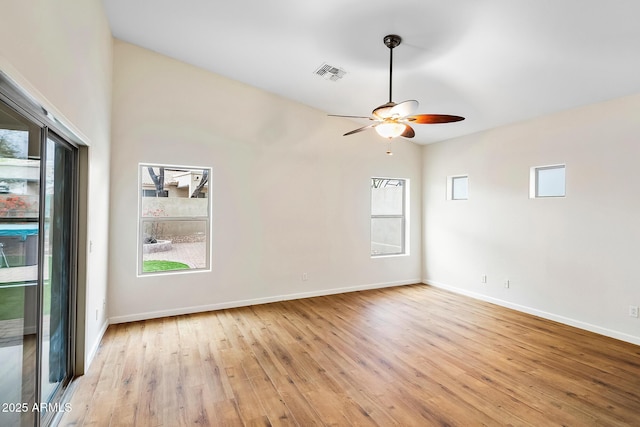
(290,194)
(572,259)
(60,52)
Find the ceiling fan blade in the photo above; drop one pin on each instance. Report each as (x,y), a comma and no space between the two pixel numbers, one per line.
(383,111)
(433,118)
(351,117)
(404,109)
(360,129)
(408,132)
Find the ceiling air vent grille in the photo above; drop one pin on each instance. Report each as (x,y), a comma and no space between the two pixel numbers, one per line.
(329,72)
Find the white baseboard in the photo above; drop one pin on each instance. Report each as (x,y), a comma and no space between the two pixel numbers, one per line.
(255,301)
(94,348)
(545,315)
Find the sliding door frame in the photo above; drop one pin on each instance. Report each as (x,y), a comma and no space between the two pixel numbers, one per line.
(19,100)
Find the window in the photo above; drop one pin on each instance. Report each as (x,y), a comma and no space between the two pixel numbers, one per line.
(388,216)
(174,219)
(547,181)
(458,187)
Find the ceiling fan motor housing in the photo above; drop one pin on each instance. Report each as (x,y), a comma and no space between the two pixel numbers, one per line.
(392,41)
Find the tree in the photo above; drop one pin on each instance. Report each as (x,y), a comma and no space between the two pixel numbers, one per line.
(158,181)
(203,181)
(7,147)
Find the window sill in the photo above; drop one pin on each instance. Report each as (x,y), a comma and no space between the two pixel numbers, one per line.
(389,255)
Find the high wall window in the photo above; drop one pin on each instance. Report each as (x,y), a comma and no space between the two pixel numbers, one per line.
(458,187)
(547,181)
(388,216)
(174,219)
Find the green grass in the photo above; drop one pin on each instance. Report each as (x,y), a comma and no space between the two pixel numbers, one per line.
(12,302)
(155,265)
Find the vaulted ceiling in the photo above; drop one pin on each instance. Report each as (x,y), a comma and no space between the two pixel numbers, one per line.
(492,61)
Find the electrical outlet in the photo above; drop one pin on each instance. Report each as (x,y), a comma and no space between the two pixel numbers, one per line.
(484,278)
(506,283)
(633,310)
(305,276)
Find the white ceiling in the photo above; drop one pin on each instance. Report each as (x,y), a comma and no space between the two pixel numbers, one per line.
(491,61)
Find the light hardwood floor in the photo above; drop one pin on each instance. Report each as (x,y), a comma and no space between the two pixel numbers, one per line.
(411,355)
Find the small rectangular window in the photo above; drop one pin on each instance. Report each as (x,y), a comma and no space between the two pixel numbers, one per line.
(388,216)
(459,187)
(174,219)
(547,181)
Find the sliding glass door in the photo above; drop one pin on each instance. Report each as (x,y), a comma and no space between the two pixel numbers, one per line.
(37,265)
(57,266)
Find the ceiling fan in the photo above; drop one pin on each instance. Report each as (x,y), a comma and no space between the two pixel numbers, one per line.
(391,119)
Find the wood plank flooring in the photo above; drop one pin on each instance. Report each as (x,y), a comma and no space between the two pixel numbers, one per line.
(411,355)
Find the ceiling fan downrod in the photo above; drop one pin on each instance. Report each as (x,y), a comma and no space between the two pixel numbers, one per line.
(391,41)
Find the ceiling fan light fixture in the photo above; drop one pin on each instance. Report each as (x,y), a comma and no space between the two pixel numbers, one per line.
(390,129)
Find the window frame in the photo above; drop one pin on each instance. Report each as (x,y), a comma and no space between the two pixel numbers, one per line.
(404,216)
(534,181)
(451,187)
(142,220)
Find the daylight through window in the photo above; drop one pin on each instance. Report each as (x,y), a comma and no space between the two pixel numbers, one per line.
(388,216)
(459,187)
(174,219)
(548,181)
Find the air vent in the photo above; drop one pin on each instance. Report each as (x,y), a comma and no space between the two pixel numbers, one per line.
(329,72)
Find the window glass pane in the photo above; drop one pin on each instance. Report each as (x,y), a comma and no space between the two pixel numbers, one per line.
(58,276)
(460,188)
(387,196)
(174,182)
(387,236)
(388,216)
(19,214)
(174,218)
(550,181)
(174,245)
